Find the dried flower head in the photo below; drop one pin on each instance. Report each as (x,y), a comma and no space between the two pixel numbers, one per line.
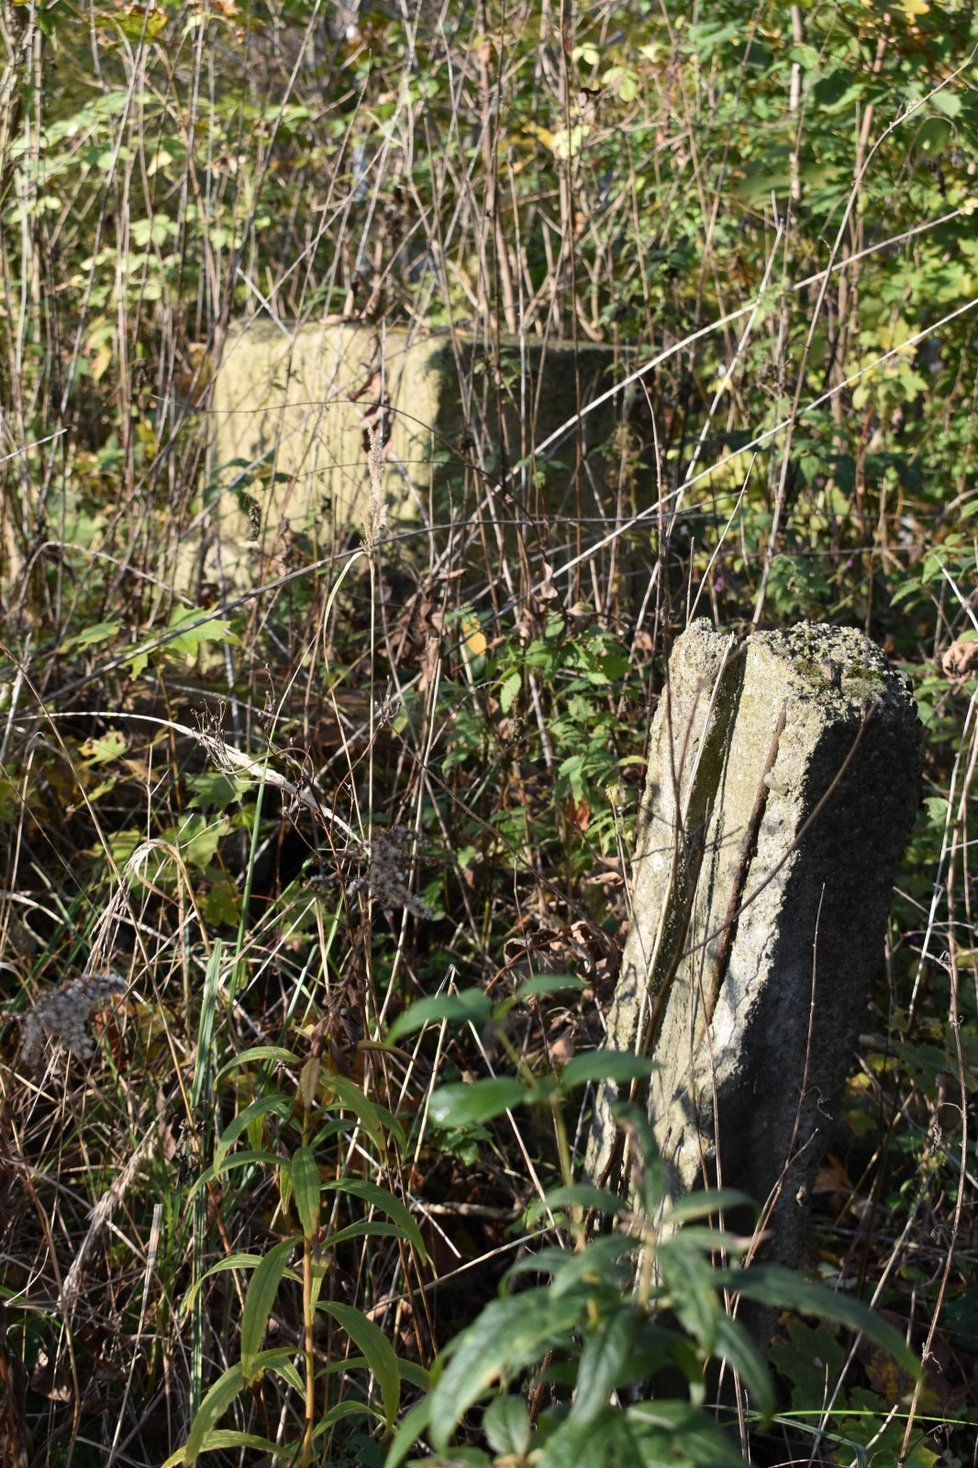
(385,880)
(60,1018)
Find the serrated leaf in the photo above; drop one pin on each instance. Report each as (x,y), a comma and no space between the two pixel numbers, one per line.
(470,1104)
(107,747)
(469,1005)
(508,691)
(262,1289)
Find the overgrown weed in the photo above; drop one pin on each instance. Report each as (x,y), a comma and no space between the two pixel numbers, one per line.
(470,696)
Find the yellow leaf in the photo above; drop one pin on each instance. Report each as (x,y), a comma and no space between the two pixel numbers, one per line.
(475,639)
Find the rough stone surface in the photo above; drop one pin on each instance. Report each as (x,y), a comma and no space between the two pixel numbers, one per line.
(292,406)
(783,781)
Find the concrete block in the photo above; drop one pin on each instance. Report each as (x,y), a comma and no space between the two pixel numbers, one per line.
(783,780)
(289,418)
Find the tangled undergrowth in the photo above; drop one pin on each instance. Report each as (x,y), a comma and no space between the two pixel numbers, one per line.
(297,855)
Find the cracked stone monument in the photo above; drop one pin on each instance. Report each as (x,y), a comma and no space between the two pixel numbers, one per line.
(783,779)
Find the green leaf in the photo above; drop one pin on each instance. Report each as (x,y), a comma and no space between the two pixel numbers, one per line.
(256,1053)
(706,1204)
(659,1426)
(606,1065)
(603,1362)
(375,1121)
(274,1105)
(468,1005)
(546,984)
(236,1163)
(733,1345)
(259,1300)
(379,1197)
(224,1391)
(413,1425)
(947,102)
(597,1266)
(583,1195)
(508,1335)
(507,1426)
(229,1437)
(376,1348)
(101,751)
(773,1284)
(509,690)
(306,1184)
(469,1104)
(692,1284)
(577,1444)
(232,1261)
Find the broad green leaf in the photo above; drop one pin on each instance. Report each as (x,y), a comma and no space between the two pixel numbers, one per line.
(461,1104)
(507,1426)
(603,1362)
(508,691)
(376,1348)
(91,636)
(606,1065)
(259,1300)
(306,1184)
(109,746)
(660,1426)
(508,1335)
(773,1284)
(469,1005)
(587,1444)
(692,1285)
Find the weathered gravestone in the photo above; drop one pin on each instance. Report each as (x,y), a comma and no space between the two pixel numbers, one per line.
(783,780)
(293,409)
